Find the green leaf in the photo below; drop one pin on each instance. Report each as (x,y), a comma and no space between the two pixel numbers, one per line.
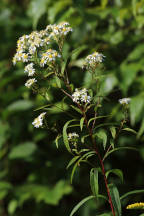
(128,72)
(94,181)
(58,82)
(129,130)
(77,51)
(43,193)
(80,204)
(117,172)
(113,131)
(65,138)
(136,108)
(115,199)
(131,193)
(73,160)
(82,158)
(56,8)
(20,105)
(57,139)
(102,135)
(120,148)
(12,206)
(83,138)
(98,117)
(76,109)
(141,130)
(73,171)
(63,66)
(37,9)
(81,123)
(22,151)
(106,124)
(104,3)
(4,127)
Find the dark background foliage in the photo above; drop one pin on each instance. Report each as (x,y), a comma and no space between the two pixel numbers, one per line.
(33,176)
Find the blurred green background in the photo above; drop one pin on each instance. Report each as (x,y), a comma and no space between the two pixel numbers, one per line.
(33,176)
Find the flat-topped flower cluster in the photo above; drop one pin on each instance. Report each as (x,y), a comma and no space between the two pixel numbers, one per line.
(91,61)
(36,49)
(81,96)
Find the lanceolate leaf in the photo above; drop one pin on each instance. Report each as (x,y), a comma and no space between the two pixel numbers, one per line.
(117,172)
(73,171)
(80,204)
(81,123)
(84,157)
(115,199)
(57,139)
(102,135)
(141,130)
(65,138)
(76,109)
(73,160)
(130,130)
(131,193)
(120,148)
(113,131)
(98,117)
(94,181)
(83,138)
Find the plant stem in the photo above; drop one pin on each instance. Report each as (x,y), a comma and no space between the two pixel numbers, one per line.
(90,130)
(101,161)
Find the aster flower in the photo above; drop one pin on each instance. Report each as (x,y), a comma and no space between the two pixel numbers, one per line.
(93,60)
(49,56)
(81,96)
(72,136)
(38,122)
(30,82)
(124,101)
(29,69)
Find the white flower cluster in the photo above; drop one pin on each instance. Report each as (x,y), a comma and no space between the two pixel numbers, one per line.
(81,96)
(93,60)
(38,122)
(30,82)
(49,56)
(72,136)
(59,31)
(29,45)
(29,69)
(124,101)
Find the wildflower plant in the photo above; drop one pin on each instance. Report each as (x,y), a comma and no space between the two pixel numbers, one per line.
(42,54)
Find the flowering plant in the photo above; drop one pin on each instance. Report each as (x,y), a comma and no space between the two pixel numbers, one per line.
(43,53)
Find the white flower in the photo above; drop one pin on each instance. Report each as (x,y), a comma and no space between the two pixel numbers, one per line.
(124,100)
(30,82)
(38,122)
(49,56)
(92,60)
(81,96)
(29,69)
(59,31)
(72,136)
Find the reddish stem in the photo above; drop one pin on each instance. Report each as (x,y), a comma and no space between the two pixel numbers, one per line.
(101,161)
(90,130)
